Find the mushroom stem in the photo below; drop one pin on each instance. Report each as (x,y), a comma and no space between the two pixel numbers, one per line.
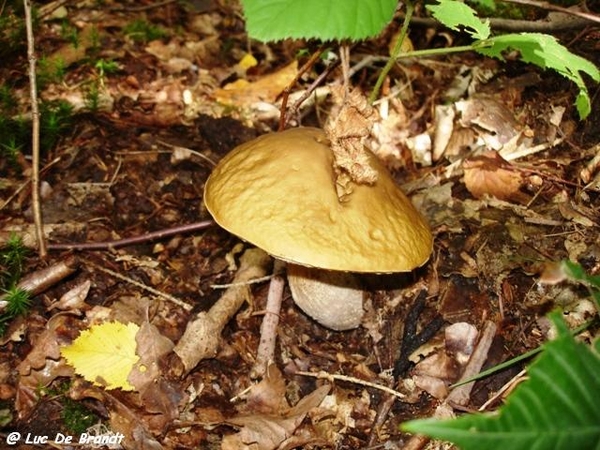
(332,298)
(268,329)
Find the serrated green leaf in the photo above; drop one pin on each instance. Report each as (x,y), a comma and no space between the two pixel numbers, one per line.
(457,16)
(273,20)
(546,52)
(556,408)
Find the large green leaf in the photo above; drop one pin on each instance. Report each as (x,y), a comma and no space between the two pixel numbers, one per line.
(273,20)
(557,408)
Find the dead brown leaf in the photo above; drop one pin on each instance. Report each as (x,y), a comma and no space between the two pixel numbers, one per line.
(347,132)
(42,365)
(490,174)
(268,420)
(243,94)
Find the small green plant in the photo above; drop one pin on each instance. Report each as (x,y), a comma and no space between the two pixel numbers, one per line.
(70,33)
(143,31)
(14,301)
(13,131)
(12,258)
(7,99)
(50,71)
(106,66)
(76,417)
(540,49)
(92,96)
(12,30)
(55,119)
(11,150)
(555,408)
(102,67)
(17,301)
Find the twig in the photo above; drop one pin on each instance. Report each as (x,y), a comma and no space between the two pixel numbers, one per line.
(332,377)
(268,329)
(253,281)
(307,93)
(35,134)
(286,92)
(550,7)
(155,235)
(144,7)
(149,289)
(41,280)
(552,24)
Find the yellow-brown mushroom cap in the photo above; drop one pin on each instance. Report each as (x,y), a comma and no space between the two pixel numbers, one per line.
(278,192)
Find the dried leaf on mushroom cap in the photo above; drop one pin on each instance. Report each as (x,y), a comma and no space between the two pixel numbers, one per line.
(278,192)
(347,128)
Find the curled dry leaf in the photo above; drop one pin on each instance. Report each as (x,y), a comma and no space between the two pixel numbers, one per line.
(347,132)
(159,396)
(74,299)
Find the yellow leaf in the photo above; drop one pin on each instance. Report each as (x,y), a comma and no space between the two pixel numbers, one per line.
(247,62)
(104,354)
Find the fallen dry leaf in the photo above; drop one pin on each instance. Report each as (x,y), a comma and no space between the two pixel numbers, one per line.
(490,174)
(273,421)
(242,93)
(42,365)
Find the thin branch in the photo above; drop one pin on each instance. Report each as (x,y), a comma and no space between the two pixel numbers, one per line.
(549,25)
(550,7)
(333,377)
(153,236)
(35,131)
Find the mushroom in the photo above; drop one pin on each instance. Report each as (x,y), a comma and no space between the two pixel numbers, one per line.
(278,193)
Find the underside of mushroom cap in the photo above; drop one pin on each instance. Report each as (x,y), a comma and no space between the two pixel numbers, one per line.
(278,192)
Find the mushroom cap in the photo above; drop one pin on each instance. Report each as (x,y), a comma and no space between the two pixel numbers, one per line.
(278,193)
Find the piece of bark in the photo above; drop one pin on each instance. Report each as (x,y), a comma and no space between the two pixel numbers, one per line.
(203,334)
(461,394)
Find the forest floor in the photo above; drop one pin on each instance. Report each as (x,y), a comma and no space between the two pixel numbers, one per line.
(157,96)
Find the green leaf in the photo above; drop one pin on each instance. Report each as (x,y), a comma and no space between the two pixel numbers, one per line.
(546,52)
(457,15)
(556,408)
(273,20)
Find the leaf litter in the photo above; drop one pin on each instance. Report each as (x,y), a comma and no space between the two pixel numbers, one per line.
(498,180)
